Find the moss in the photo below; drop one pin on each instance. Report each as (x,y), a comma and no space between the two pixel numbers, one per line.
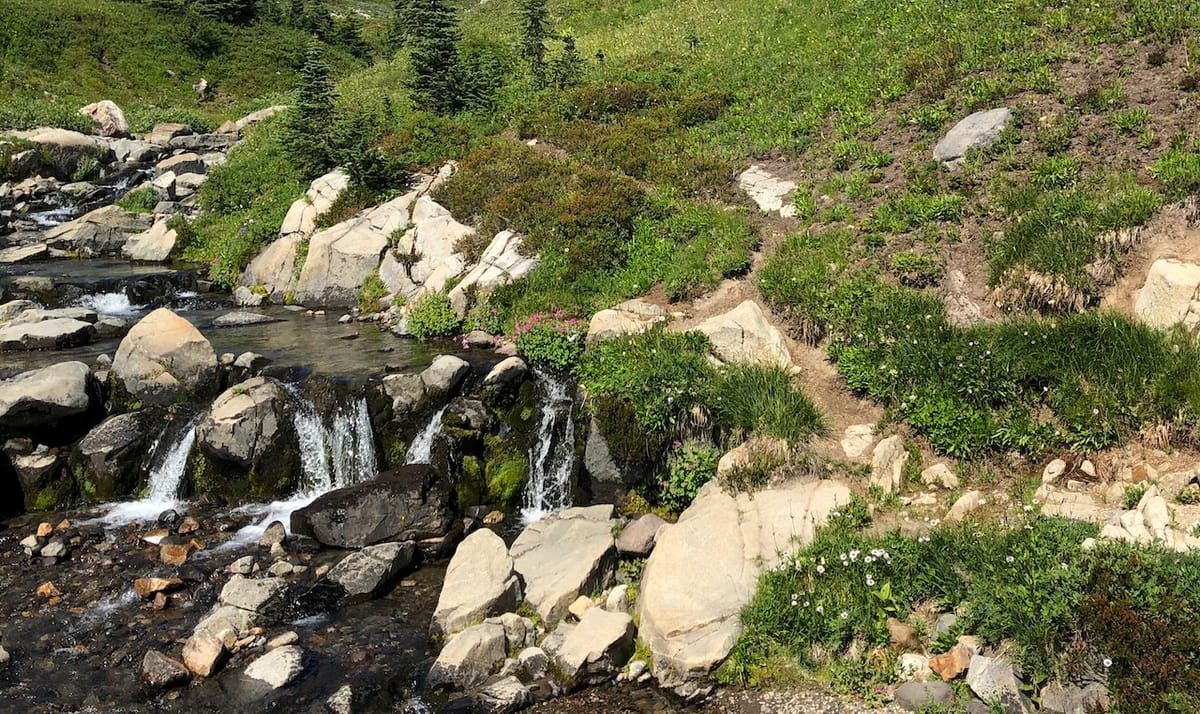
(505,478)
(470,483)
(43,500)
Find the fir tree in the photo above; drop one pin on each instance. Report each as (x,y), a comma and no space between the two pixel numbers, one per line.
(434,56)
(400,29)
(567,70)
(310,122)
(347,33)
(533,38)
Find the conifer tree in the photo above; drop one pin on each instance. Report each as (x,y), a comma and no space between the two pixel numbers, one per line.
(400,29)
(310,123)
(534,32)
(567,69)
(434,56)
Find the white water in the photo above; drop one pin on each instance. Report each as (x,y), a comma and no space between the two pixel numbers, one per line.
(165,478)
(336,450)
(420,450)
(110,304)
(552,454)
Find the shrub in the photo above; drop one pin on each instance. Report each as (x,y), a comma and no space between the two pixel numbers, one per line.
(550,340)
(765,400)
(916,270)
(432,316)
(1179,172)
(142,199)
(371,294)
(800,279)
(689,466)
(485,316)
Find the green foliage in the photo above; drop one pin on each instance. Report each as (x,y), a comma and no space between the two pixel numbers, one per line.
(1131,122)
(371,293)
(801,278)
(309,127)
(916,270)
(505,478)
(432,316)
(660,375)
(1179,172)
(485,316)
(914,210)
(142,199)
(1133,495)
(765,400)
(689,466)
(433,41)
(550,340)
(534,31)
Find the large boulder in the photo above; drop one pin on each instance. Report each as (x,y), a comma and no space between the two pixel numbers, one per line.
(153,245)
(744,336)
(107,117)
(245,422)
(433,386)
(236,127)
(65,150)
(43,400)
(1169,295)
(109,459)
(470,657)
(480,582)
(410,503)
(164,359)
(426,255)
(163,132)
(58,333)
(563,556)
(691,626)
(103,231)
(368,572)
(978,130)
(500,264)
(273,271)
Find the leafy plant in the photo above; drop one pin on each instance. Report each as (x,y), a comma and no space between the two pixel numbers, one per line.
(432,316)
(551,340)
(764,399)
(689,466)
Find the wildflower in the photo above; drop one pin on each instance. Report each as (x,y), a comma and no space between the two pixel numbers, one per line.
(870,581)
(854,555)
(1028,509)
(821,609)
(844,615)
(1009,559)
(935,522)
(1107,662)
(820,570)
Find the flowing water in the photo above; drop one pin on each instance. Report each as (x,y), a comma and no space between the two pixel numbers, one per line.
(421,449)
(337,449)
(552,453)
(116,304)
(165,477)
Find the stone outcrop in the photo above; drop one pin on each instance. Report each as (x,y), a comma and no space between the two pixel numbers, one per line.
(767,190)
(103,231)
(744,336)
(151,246)
(245,422)
(978,130)
(43,398)
(164,359)
(110,457)
(1169,295)
(500,264)
(107,117)
(411,503)
(730,539)
(426,255)
(480,582)
(65,150)
(563,556)
(630,317)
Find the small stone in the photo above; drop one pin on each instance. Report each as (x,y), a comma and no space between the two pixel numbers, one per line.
(162,672)
(581,606)
(493,518)
(341,701)
(160,601)
(44,530)
(618,599)
(204,654)
(48,590)
(283,640)
(169,518)
(63,525)
(174,553)
(966,503)
(242,566)
(4,659)
(918,696)
(637,668)
(280,568)
(275,533)
(858,439)
(277,551)
(1053,471)
(1088,468)
(146,587)
(344,319)
(188,525)
(31,544)
(945,623)
(903,636)
(279,667)
(155,536)
(939,476)
(951,664)
(534,661)
(54,549)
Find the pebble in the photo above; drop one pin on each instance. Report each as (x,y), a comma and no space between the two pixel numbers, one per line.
(44,530)
(287,638)
(48,590)
(243,566)
(5,658)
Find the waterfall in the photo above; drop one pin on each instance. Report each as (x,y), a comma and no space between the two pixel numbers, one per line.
(165,477)
(552,453)
(116,303)
(337,448)
(419,452)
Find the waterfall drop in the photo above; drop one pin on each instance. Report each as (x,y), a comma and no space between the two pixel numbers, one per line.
(552,453)
(421,449)
(164,479)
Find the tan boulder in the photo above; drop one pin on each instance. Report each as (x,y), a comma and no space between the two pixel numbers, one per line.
(163,358)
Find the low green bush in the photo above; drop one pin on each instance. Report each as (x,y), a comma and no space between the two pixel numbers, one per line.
(550,340)
(371,294)
(142,199)
(800,279)
(432,316)
(765,400)
(689,466)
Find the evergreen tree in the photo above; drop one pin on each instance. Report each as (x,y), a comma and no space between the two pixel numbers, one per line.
(533,38)
(567,70)
(317,19)
(347,33)
(434,55)
(400,28)
(310,122)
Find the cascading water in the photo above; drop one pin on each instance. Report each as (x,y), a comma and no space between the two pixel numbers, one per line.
(165,477)
(336,449)
(552,453)
(421,449)
(116,303)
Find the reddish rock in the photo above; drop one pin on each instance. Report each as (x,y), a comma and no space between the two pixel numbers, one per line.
(145,587)
(44,530)
(48,590)
(174,553)
(902,636)
(952,664)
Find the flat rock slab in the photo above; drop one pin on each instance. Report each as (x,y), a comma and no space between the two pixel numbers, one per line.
(41,397)
(975,131)
(54,334)
(767,190)
(564,556)
(24,253)
(369,571)
(595,649)
(705,568)
(242,318)
(279,667)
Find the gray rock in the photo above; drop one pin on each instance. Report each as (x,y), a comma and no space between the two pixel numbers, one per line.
(564,556)
(945,623)
(470,657)
(242,566)
(54,334)
(246,422)
(108,118)
(246,297)
(596,649)
(480,340)
(918,696)
(534,661)
(151,246)
(103,231)
(279,667)
(164,358)
(186,163)
(265,597)
(598,460)
(341,701)
(1071,699)
(500,264)
(993,679)
(744,336)
(410,503)
(24,253)
(370,571)
(975,131)
(241,318)
(134,151)
(65,149)
(444,375)
(413,392)
(110,457)
(887,464)
(480,582)
(503,697)
(161,672)
(110,328)
(5,658)
(506,371)
(42,397)
(638,537)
